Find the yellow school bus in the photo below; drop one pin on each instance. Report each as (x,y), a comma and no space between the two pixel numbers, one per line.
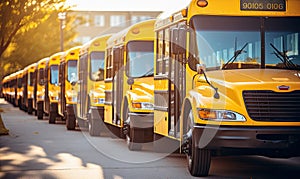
(227,77)
(13,89)
(90,106)
(40,88)
(28,90)
(9,83)
(68,92)
(129,84)
(19,75)
(52,86)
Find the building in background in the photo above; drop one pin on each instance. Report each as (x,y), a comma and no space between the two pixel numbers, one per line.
(103,22)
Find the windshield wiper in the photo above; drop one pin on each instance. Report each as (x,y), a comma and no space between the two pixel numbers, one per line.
(149,73)
(284,58)
(236,54)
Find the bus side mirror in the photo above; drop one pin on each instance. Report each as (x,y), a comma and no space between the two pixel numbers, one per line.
(73,83)
(130,81)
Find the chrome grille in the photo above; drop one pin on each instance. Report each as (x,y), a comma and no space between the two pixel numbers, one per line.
(273,106)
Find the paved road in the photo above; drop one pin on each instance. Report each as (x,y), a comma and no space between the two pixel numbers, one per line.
(36,149)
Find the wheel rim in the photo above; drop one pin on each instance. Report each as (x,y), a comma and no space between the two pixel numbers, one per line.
(90,126)
(128,139)
(189,145)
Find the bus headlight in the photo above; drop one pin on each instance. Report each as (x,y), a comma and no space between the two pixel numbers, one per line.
(72,99)
(99,100)
(143,105)
(54,98)
(220,115)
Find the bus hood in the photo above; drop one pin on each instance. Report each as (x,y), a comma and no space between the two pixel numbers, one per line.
(142,90)
(258,76)
(230,85)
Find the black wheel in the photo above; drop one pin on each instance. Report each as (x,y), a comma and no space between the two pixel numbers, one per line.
(70,122)
(29,110)
(130,140)
(52,117)
(132,136)
(39,114)
(39,111)
(30,106)
(198,159)
(94,124)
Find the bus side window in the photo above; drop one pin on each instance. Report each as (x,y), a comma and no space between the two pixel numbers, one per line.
(178,40)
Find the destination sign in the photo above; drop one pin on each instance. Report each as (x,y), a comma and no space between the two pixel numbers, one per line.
(263,5)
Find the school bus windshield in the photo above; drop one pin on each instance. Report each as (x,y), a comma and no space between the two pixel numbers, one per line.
(72,70)
(41,76)
(54,74)
(140,59)
(31,79)
(221,41)
(97,66)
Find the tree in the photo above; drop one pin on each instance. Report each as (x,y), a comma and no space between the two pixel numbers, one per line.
(42,41)
(16,18)
(17,15)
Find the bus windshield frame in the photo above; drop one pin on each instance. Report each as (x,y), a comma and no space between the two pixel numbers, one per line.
(140,56)
(54,74)
(72,71)
(219,41)
(97,65)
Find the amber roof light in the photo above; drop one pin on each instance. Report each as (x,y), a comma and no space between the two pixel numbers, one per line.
(202,3)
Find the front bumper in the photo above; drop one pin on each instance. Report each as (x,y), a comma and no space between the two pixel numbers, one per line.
(143,126)
(141,120)
(273,138)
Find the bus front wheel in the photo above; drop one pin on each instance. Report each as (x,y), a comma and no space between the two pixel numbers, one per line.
(70,122)
(131,135)
(198,159)
(94,124)
(40,111)
(52,117)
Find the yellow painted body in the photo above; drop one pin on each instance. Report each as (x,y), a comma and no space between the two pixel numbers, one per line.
(29,71)
(91,90)
(68,92)
(230,83)
(41,65)
(141,91)
(53,85)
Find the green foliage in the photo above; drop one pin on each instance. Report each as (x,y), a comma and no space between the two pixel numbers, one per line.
(42,41)
(29,31)
(21,15)
(18,16)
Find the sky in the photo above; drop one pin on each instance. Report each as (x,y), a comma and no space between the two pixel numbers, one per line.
(125,5)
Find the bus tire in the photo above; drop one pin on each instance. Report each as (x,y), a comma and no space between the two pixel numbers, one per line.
(131,134)
(52,117)
(94,124)
(198,159)
(39,110)
(131,138)
(70,122)
(30,107)
(39,114)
